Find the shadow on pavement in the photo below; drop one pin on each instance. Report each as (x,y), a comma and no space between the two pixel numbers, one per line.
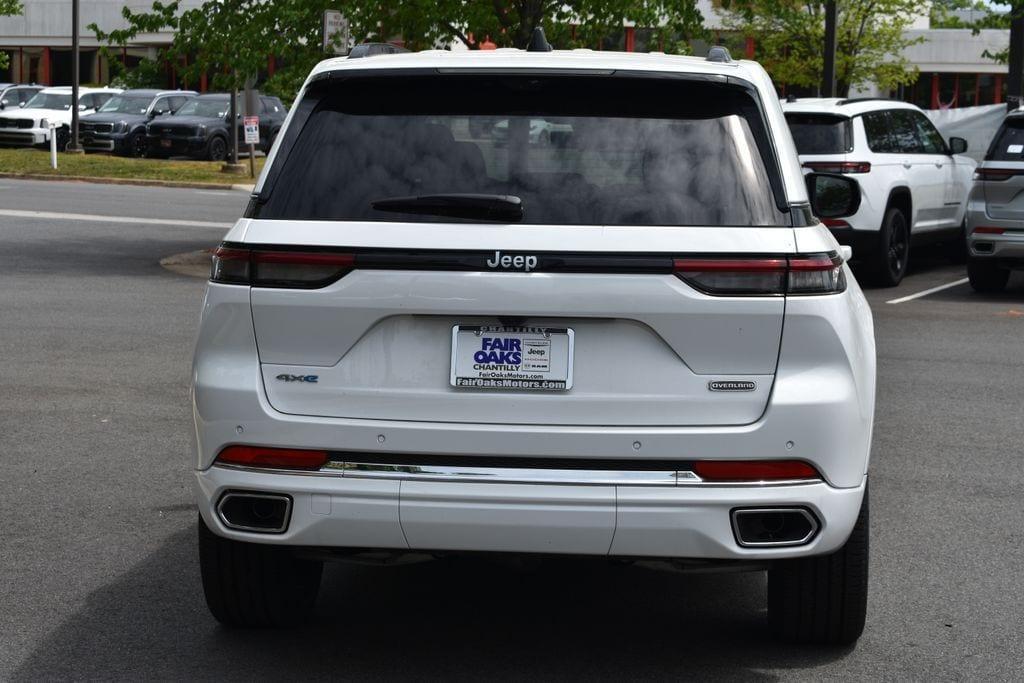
(447,618)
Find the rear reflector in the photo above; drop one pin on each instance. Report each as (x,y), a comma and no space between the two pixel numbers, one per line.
(754,470)
(839,166)
(803,274)
(288,269)
(985,230)
(277,458)
(835,223)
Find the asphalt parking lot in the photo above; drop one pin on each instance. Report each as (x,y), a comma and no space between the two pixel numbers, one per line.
(97,558)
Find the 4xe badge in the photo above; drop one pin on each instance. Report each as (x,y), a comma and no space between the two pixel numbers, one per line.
(731,385)
(310,379)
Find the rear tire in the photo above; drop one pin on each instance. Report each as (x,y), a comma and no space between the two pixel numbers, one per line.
(823,600)
(893,251)
(986,276)
(251,585)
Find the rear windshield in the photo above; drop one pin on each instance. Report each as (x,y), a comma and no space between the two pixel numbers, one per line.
(1008,144)
(820,134)
(575,150)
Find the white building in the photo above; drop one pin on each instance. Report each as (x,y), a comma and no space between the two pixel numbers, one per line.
(38,42)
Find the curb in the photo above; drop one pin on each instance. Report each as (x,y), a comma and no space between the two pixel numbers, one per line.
(129,181)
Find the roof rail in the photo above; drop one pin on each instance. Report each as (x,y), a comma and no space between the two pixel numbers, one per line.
(855,100)
(372,49)
(719,53)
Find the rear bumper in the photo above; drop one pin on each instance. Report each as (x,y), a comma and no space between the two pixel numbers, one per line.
(617,520)
(1008,246)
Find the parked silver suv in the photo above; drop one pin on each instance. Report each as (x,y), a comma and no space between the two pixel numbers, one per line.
(995,209)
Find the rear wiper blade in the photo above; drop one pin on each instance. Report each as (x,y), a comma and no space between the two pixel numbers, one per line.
(487,207)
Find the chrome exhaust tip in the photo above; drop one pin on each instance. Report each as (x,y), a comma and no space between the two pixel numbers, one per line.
(774,527)
(262,513)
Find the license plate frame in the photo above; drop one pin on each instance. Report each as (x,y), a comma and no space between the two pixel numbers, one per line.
(548,369)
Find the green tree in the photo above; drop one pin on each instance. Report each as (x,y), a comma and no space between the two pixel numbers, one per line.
(8,8)
(870,39)
(230,39)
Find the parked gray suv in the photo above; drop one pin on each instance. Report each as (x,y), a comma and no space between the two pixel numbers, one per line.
(995,210)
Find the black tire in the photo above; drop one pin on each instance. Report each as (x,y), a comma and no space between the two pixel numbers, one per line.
(137,145)
(986,276)
(823,600)
(250,585)
(63,139)
(893,251)
(217,149)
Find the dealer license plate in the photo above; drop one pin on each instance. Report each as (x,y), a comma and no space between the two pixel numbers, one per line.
(531,358)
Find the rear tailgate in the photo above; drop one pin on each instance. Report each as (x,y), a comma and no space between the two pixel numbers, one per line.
(646,344)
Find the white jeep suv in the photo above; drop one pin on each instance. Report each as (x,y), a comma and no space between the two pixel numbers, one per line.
(915,185)
(30,125)
(638,343)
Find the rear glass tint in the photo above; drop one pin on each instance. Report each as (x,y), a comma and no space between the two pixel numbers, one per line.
(1008,144)
(576,150)
(820,133)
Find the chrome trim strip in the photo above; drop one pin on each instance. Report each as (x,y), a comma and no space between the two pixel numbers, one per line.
(256,529)
(774,544)
(510,475)
(515,475)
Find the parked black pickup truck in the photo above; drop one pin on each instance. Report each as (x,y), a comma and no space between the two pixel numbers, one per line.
(201,128)
(119,126)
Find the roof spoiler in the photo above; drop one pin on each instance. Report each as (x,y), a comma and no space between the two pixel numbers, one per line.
(373,49)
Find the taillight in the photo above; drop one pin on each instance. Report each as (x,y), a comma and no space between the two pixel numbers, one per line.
(275,458)
(839,166)
(754,470)
(997,173)
(835,223)
(803,274)
(273,268)
(985,230)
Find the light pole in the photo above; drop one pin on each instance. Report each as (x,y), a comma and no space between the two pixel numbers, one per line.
(73,145)
(828,76)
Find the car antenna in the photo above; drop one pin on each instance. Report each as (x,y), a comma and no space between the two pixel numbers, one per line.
(538,42)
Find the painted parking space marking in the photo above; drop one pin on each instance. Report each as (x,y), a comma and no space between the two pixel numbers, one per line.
(96,218)
(911,297)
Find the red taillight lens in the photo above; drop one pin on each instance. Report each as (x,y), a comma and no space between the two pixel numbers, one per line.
(754,470)
(805,274)
(985,230)
(839,166)
(835,223)
(264,268)
(997,174)
(278,458)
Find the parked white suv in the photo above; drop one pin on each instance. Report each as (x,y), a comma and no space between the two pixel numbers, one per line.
(915,185)
(637,343)
(30,125)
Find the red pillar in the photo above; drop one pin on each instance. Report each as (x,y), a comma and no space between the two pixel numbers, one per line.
(935,91)
(999,89)
(630,39)
(271,63)
(44,68)
(750,47)
(202,82)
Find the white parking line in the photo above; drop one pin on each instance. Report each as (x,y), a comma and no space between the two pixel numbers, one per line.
(95,218)
(926,292)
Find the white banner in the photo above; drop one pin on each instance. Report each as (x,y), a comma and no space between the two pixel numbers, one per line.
(977,125)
